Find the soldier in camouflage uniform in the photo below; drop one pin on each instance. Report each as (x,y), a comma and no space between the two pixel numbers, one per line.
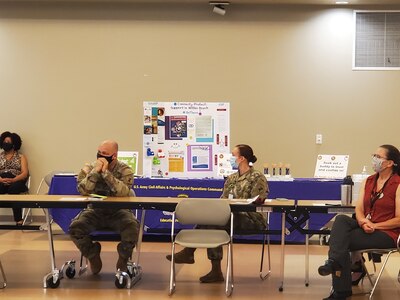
(244,184)
(109,177)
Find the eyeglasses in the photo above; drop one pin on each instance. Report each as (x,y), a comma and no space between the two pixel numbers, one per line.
(378,156)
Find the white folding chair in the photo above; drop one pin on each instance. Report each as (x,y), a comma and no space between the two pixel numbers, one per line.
(387,252)
(203,212)
(26,212)
(45,180)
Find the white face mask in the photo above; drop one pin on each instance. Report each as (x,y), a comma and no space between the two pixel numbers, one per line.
(377,164)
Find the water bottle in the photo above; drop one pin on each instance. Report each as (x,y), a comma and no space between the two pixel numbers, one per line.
(364,172)
(347,191)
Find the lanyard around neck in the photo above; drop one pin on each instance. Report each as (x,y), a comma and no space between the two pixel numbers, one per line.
(377,195)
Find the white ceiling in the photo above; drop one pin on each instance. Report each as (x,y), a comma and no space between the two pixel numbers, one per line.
(298,2)
(320,2)
(278,2)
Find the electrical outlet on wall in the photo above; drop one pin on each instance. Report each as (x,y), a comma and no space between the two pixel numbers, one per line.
(318,139)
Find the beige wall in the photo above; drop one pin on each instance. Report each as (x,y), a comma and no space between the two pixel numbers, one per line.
(72,76)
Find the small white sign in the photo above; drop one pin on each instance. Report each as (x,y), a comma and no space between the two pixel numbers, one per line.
(331,166)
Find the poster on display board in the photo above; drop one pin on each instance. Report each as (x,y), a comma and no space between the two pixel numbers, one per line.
(183,139)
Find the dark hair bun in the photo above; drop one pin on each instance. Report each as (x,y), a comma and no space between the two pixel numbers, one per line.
(253,159)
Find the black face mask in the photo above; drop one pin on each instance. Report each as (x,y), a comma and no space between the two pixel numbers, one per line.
(107,158)
(7,146)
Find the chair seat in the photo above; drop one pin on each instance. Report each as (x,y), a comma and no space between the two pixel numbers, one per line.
(202,238)
(380,251)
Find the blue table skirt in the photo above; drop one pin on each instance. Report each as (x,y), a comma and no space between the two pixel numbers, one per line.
(299,189)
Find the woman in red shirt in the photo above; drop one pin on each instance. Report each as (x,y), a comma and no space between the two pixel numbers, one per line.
(377,223)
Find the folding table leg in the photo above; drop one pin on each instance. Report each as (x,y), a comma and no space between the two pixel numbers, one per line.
(51,279)
(307,258)
(262,275)
(140,237)
(283,250)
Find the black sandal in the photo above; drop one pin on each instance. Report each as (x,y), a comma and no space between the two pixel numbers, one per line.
(361,277)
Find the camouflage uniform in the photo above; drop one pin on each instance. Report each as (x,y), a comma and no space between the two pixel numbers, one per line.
(245,186)
(117,182)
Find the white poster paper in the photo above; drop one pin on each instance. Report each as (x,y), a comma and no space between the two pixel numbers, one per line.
(204,129)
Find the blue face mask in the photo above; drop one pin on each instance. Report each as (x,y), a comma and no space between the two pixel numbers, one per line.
(233,162)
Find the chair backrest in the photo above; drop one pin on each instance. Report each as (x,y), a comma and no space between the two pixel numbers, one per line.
(203,211)
(47,179)
(50,176)
(28,182)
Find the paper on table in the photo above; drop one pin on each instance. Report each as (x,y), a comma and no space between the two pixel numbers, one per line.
(245,201)
(96,197)
(326,204)
(73,198)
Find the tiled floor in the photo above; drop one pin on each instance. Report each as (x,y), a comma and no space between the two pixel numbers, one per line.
(26,260)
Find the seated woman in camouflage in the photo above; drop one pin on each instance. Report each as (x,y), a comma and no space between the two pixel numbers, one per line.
(244,184)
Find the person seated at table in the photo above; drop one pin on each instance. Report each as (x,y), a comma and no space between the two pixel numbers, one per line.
(13,169)
(109,177)
(244,184)
(377,222)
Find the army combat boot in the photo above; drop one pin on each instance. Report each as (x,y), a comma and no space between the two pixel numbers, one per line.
(95,260)
(185,256)
(215,275)
(125,250)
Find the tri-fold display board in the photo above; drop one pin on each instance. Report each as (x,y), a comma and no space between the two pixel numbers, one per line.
(184,139)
